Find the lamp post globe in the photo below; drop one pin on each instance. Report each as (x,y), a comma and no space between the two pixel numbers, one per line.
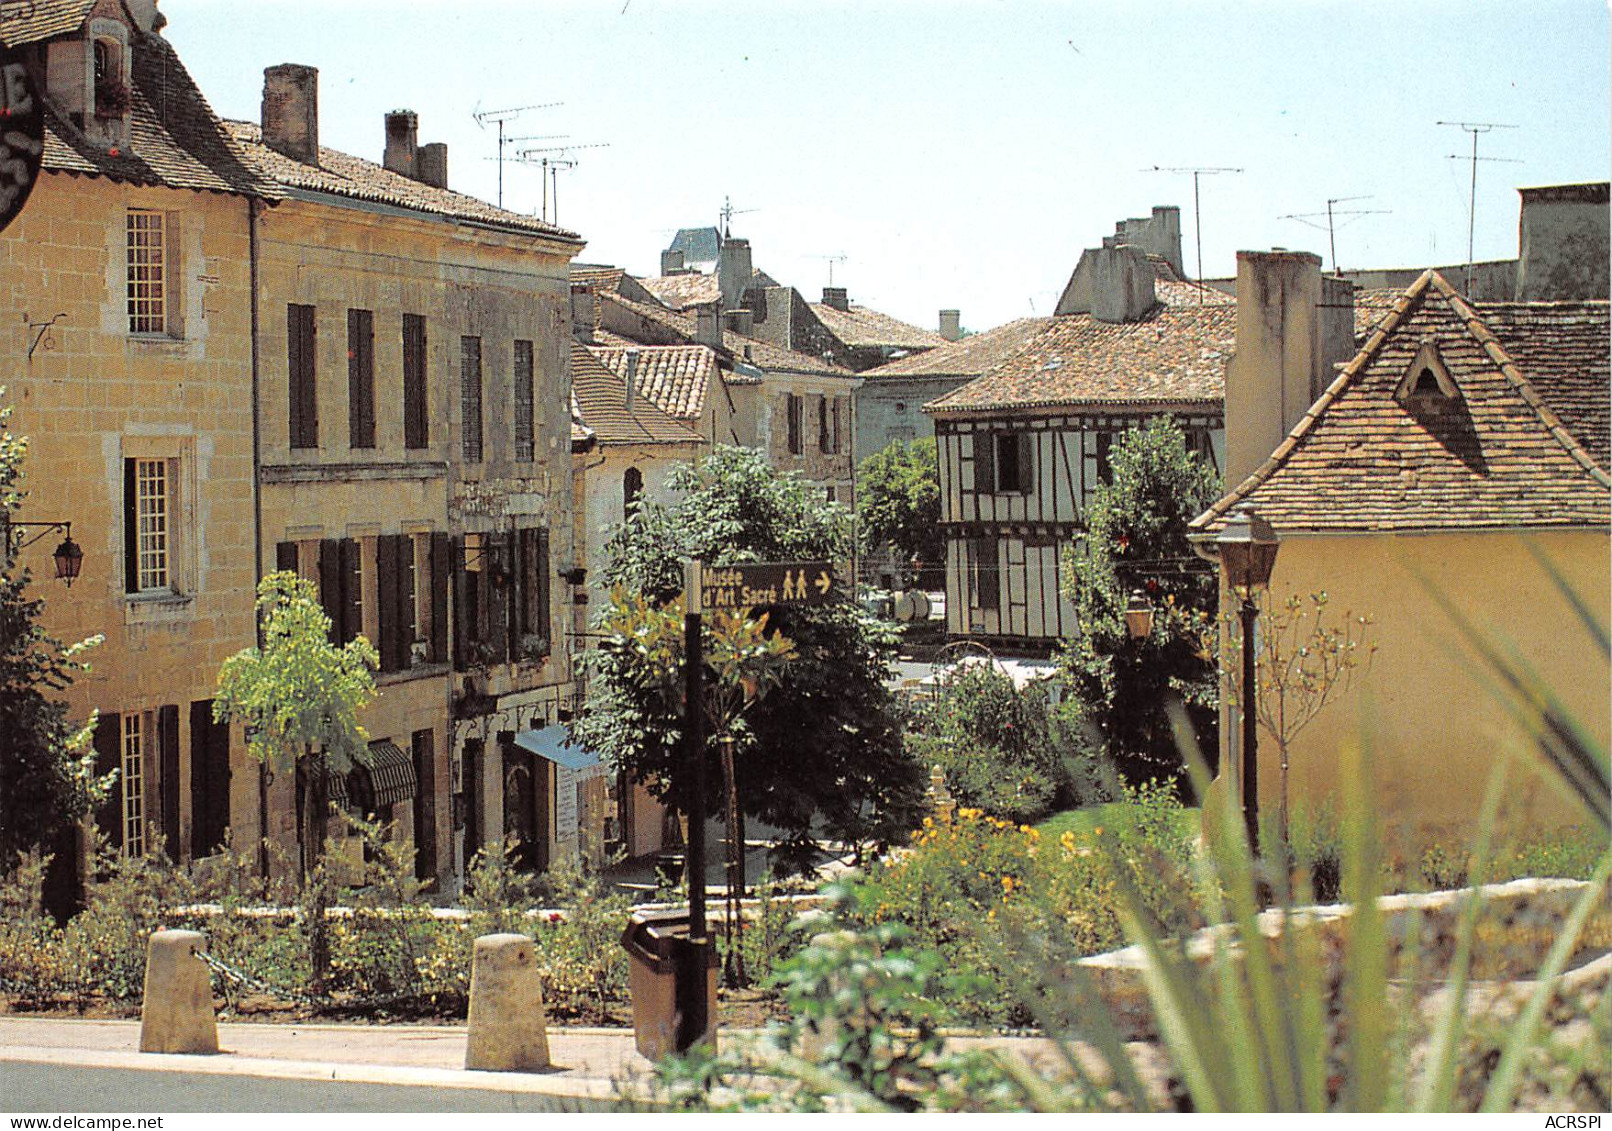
(1247,546)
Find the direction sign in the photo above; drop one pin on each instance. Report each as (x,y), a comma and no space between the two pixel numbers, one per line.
(22,134)
(767,583)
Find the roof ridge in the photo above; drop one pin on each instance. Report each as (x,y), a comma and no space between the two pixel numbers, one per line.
(1519,381)
(1333,391)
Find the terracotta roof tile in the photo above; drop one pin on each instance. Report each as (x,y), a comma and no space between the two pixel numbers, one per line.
(763,355)
(966,357)
(868,329)
(675,378)
(605,280)
(175,139)
(1498,457)
(681,291)
(342,174)
(30,21)
(600,395)
(1175,355)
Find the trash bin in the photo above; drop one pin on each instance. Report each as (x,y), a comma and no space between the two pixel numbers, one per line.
(665,967)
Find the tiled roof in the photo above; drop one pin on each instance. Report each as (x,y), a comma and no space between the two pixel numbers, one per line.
(600,395)
(1499,457)
(1175,355)
(581,434)
(342,174)
(763,355)
(676,378)
(866,328)
(29,21)
(602,279)
(680,291)
(966,357)
(174,137)
(1174,292)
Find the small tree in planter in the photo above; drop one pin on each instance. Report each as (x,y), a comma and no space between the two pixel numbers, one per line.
(299,696)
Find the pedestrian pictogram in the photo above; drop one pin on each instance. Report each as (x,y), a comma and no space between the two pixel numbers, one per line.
(756,584)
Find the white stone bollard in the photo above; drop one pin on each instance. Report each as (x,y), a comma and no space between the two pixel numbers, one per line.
(508,1032)
(176,1014)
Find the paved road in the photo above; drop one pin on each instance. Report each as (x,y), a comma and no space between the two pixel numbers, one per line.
(54,1089)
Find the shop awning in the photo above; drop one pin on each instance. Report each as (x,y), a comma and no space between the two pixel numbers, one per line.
(388,779)
(554,743)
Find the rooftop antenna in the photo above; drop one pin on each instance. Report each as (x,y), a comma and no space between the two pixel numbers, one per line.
(1475,128)
(1197,216)
(501,116)
(832,259)
(552,167)
(729,212)
(1311,219)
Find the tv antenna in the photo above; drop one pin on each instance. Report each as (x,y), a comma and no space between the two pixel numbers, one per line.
(1475,128)
(500,117)
(552,167)
(729,212)
(832,259)
(1197,216)
(1312,219)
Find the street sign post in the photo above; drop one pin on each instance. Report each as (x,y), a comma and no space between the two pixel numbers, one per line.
(22,133)
(753,584)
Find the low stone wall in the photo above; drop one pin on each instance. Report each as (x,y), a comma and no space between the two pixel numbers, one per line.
(1516,927)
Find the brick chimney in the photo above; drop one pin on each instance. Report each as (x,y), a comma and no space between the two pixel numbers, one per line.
(632,379)
(733,271)
(1294,328)
(431,164)
(740,321)
(290,113)
(837,298)
(1112,283)
(402,128)
(671,261)
(708,325)
(951,325)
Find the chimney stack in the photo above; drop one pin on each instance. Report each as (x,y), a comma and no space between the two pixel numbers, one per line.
(671,261)
(733,271)
(837,298)
(584,313)
(290,114)
(708,326)
(1293,329)
(402,127)
(951,325)
(431,164)
(1112,283)
(740,321)
(632,378)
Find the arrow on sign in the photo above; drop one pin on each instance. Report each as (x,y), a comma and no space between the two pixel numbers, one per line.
(824,582)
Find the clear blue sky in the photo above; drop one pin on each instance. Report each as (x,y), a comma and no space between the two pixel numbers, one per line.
(959,154)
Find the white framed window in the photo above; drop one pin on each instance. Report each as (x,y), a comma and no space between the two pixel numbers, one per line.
(132,780)
(147,272)
(153,505)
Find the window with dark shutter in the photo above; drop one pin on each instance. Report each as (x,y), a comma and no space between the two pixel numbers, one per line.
(425,806)
(524,425)
(986,574)
(108,743)
(360,379)
(168,778)
(285,556)
(984,463)
(386,589)
(460,578)
(1013,464)
(352,590)
(209,779)
(416,423)
(300,351)
(823,444)
(470,399)
(792,410)
(632,486)
(498,594)
(441,574)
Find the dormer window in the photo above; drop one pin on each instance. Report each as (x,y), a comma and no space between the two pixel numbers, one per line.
(111,84)
(1427,381)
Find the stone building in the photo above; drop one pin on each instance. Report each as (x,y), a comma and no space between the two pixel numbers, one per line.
(128,346)
(1462,446)
(414,388)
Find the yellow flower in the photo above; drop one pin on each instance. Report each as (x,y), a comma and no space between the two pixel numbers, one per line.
(929,822)
(1007,883)
(990,916)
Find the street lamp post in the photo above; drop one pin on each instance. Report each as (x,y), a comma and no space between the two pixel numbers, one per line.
(1247,547)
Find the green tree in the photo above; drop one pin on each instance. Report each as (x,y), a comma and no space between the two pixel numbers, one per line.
(299,696)
(47,769)
(898,500)
(1136,540)
(821,751)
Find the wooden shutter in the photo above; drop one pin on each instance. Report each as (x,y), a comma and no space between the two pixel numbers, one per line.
(300,351)
(461,611)
(330,587)
(108,744)
(441,572)
(352,589)
(543,572)
(822,424)
(209,780)
(360,379)
(386,589)
(425,806)
(1027,449)
(499,599)
(285,556)
(168,772)
(416,420)
(985,463)
(131,531)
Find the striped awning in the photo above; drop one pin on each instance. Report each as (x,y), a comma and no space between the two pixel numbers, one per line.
(388,779)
